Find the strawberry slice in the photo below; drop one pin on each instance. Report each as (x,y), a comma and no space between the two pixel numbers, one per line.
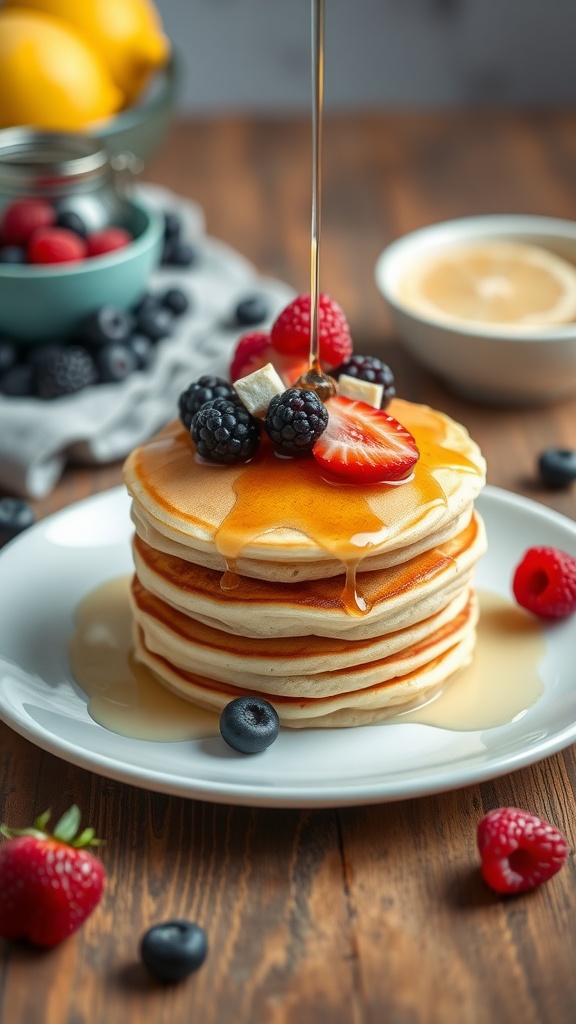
(254,351)
(363,444)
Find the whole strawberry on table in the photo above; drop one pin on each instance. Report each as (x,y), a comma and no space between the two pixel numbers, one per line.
(49,882)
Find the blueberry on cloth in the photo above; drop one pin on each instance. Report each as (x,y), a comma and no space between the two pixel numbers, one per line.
(176,301)
(16,515)
(249,724)
(115,362)
(173,949)
(106,325)
(251,310)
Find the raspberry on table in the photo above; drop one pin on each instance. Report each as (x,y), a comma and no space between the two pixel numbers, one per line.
(518,850)
(225,432)
(203,390)
(295,420)
(291,330)
(372,370)
(544,582)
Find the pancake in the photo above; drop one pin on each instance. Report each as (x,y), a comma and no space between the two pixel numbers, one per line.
(335,601)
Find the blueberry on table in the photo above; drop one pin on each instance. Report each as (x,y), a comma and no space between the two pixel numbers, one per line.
(106,325)
(557,467)
(173,949)
(16,515)
(249,724)
(251,310)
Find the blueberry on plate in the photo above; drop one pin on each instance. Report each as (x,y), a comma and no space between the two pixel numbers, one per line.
(251,310)
(173,949)
(249,724)
(16,515)
(557,467)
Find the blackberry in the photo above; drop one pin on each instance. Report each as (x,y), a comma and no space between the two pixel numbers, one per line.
(225,432)
(64,372)
(201,391)
(371,369)
(295,420)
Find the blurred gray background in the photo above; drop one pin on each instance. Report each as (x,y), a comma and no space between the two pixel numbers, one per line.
(254,55)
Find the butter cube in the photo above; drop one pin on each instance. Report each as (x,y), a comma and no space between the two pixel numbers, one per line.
(360,390)
(257,389)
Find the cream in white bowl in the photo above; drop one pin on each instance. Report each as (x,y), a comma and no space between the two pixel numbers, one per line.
(509,363)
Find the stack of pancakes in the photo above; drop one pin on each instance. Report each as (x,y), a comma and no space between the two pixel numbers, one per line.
(336,602)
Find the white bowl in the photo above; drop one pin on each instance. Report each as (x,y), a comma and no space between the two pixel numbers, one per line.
(489,364)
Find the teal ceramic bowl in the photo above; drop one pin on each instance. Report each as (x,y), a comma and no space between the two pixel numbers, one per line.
(43,303)
(140,129)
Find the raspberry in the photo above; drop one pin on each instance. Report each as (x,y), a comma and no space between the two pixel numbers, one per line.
(371,369)
(249,346)
(291,330)
(295,420)
(225,432)
(107,240)
(55,245)
(544,582)
(518,850)
(203,390)
(22,217)
(64,371)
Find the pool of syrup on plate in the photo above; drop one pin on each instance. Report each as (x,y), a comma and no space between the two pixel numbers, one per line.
(500,684)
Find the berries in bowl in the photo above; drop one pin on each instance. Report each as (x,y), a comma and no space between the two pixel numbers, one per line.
(54,272)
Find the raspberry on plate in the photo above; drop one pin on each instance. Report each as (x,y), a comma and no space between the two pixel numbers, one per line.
(518,850)
(291,330)
(544,582)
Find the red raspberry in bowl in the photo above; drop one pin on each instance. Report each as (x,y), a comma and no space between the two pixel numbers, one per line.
(107,240)
(24,216)
(291,331)
(55,245)
(544,582)
(518,850)
(254,351)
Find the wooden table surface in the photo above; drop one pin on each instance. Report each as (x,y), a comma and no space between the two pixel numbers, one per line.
(365,915)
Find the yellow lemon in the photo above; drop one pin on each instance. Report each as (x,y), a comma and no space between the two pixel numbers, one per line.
(127,34)
(499,283)
(49,76)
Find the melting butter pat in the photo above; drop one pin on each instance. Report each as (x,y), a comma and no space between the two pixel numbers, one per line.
(361,390)
(257,389)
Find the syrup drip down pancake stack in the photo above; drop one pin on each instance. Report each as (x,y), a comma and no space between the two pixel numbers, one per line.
(337,601)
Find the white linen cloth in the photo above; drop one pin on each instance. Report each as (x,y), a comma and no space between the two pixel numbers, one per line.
(103,423)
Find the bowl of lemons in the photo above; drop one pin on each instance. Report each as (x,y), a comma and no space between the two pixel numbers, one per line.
(488,304)
(106,69)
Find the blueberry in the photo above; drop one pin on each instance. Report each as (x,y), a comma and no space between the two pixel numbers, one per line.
(176,301)
(557,467)
(173,949)
(106,325)
(16,515)
(155,323)
(142,348)
(178,254)
(251,310)
(72,221)
(12,254)
(18,381)
(8,354)
(249,724)
(115,362)
(172,225)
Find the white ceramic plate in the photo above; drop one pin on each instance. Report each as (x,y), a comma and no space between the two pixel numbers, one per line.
(47,570)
